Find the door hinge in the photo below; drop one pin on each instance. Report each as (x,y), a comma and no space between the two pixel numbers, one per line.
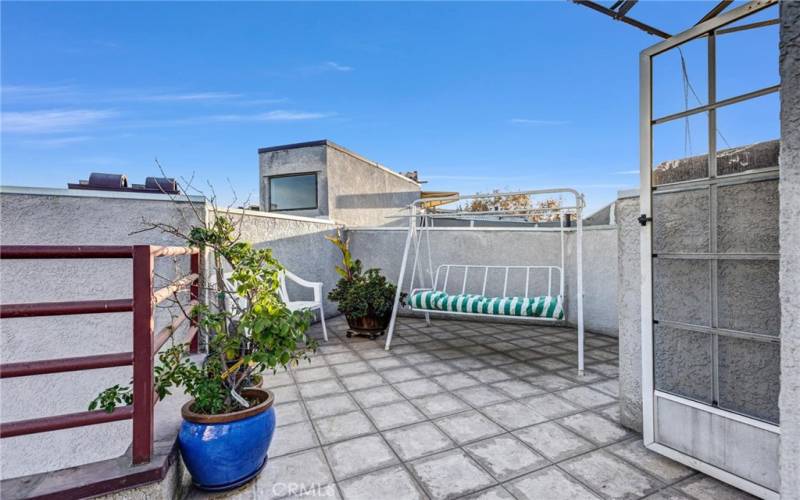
(644,219)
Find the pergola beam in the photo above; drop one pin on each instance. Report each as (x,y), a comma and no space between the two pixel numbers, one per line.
(626,6)
(625,19)
(742,27)
(716,10)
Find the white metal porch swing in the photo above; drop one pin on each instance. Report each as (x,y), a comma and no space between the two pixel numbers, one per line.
(472,301)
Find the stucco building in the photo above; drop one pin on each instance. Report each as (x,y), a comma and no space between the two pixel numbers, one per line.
(323,179)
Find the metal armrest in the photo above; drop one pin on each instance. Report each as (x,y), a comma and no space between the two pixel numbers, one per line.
(316,286)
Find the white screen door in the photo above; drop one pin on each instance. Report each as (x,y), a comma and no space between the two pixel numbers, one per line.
(709,194)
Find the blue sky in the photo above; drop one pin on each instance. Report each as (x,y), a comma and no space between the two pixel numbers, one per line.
(475,96)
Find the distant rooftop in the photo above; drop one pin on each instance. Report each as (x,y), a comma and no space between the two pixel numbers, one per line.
(729,161)
(119,182)
(409,176)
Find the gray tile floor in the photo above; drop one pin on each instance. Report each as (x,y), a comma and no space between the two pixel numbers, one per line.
(461,410)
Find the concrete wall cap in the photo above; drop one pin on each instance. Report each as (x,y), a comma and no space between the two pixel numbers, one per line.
(87,193)
(277,215)
(627,193)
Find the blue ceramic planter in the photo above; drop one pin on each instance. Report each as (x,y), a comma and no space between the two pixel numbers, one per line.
(225,451)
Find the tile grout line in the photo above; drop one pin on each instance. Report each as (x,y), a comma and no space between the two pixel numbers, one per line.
(428,419)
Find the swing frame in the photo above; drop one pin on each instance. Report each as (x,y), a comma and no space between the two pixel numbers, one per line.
(420,222)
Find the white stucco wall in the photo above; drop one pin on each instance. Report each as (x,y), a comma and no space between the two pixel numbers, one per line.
(383,248)
(312,159)
(71,219)
(351,189)
(363,193)
(62,217)
(790,250)
(300,245)
(629,300)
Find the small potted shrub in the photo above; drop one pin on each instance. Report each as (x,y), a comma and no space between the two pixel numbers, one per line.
(228,425)
(365,298)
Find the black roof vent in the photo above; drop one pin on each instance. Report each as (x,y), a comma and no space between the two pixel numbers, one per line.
(99,180)
(119,182)
(161,184)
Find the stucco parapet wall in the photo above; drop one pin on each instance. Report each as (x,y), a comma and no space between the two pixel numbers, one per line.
(341,149)
(118,195)
(85,193)
(627,193)
(276,215)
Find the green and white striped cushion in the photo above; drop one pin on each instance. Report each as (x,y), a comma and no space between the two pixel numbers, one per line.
(540,307)
(426,299)
(546,306)
(506,306)
(466,303)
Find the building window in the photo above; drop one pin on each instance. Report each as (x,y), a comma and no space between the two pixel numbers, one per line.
(293,192)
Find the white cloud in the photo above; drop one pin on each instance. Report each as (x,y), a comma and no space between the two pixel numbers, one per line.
(262,102)
(57,142)
(63,92)
(36,92)
(268,116)
(32,89)
(627,172)
(336,66)
(53,120)
(271,116)
(196,96)
(531,121)
(281,116)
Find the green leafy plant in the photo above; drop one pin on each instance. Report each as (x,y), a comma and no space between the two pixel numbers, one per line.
(360,293)
(249,328)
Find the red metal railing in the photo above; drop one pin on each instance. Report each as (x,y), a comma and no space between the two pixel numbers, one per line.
(146,342)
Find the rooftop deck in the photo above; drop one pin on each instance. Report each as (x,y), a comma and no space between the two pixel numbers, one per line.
(462,409)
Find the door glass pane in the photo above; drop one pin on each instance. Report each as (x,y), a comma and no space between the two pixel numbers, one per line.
(680,149)
(682,291)
(748,134)
(681,222)
(671,94)
(748,296)
(682,362)
(749,377)
(747,217)
(747,60)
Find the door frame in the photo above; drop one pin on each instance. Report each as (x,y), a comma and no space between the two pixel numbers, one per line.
(646,123)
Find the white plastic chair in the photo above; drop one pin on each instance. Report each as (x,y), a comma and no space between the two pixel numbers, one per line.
(299,305)
(296,305)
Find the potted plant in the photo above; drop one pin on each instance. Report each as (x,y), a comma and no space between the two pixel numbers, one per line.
(228,425)
(366,298)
